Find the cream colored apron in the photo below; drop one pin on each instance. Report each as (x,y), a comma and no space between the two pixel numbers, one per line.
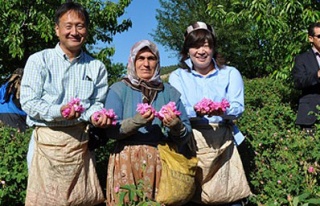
(62,171)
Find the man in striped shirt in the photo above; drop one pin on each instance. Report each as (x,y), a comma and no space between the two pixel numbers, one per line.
(61,168)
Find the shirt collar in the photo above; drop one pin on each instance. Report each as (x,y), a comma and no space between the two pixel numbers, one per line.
(194,72)
(64,56)
(315,51)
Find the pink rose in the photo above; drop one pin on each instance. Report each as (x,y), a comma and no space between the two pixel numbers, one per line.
(144,107)
(74,102)
(164,110)
(109,113)
(66,112)
(311,169)
(117,189)
(207,106)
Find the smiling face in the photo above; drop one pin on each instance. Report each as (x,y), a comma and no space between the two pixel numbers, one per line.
(72,32)
(199,45)
(145,64)
(201,58)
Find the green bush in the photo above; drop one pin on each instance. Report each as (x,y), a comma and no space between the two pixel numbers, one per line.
(277,155)
(13,166)
(281,162)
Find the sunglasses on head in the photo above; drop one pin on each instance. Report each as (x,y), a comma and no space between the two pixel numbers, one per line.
(318,36)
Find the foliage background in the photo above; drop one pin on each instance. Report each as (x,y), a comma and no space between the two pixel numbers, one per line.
(13,166)
(276,155)
(259,37)
(28,26)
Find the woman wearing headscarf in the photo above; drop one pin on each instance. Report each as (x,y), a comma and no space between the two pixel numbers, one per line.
(11,113)
(135,157)
(220,178)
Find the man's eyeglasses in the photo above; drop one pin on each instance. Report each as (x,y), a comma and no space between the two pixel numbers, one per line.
(318,36)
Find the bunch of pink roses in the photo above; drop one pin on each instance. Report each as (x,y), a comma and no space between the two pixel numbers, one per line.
(74,102)
(165,109)
(108,112)
(207,106)
(144,107)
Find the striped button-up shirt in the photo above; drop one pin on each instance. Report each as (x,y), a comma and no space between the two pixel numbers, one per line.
(51,80)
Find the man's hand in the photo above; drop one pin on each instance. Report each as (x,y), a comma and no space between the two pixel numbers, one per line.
(71,114)
(103,121)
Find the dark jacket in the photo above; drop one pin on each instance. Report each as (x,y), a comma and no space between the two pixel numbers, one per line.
(305,76)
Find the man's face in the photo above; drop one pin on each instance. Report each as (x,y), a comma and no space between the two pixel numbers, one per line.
(72,32)
(315,40)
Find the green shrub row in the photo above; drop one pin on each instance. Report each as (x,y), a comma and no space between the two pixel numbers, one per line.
(281,162)
(13,166)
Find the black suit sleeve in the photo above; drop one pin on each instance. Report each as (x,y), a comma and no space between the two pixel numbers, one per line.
(305,70)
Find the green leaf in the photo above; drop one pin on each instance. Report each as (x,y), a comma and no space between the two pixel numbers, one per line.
(122,196)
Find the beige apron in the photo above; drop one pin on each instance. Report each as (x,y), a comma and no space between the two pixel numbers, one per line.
(62,171)
(220,177)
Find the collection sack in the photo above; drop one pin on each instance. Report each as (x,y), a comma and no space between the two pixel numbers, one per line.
(69,178)
(220,175)
(177,177)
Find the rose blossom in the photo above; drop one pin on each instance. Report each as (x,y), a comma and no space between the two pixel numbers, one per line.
(74,102)
(164,110)
(311,169)
(108,112)
(144,107)
(208,106)
(117,189)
